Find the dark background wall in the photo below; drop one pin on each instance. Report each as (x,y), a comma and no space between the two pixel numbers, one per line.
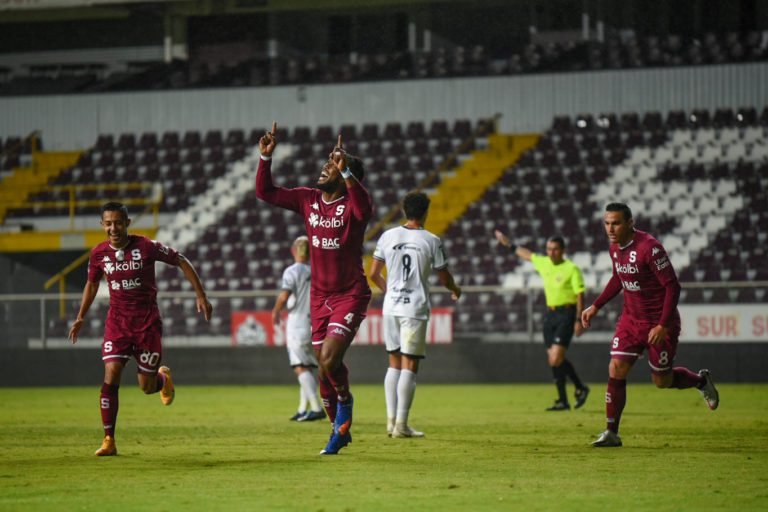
(461,362)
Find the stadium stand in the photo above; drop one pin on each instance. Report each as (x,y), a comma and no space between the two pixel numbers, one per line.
(617,51)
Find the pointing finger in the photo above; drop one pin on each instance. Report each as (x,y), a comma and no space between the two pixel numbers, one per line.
(339,145)
(274,128)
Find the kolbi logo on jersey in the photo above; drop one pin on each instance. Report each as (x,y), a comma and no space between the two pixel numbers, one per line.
(316,220)
(122,266)
(626,269)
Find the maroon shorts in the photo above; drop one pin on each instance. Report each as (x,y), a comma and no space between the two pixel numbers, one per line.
(337,316)
(144,346)
(631,339)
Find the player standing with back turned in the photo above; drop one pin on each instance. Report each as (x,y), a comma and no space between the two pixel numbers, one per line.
(336,214)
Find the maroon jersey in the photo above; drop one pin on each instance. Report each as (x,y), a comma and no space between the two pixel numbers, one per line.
(643,270)
(335,230)
(130,274)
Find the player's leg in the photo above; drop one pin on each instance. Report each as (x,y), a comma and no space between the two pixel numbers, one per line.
(661,359)
(153,378)
(320,314)
(109,403)
(392,344)
(625,349)
(555,357)
(307,379)
(301,410)
(413,335)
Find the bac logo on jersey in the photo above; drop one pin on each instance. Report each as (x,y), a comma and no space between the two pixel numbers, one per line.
(126,284)
(326,243)
(631,286)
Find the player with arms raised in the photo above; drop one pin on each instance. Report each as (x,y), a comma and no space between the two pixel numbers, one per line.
(336,214)
(133,327)
(649,320)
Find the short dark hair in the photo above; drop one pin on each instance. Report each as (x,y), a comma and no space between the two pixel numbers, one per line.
(355,165)
(415,204)
(620,207)
(558,240)
(113,206)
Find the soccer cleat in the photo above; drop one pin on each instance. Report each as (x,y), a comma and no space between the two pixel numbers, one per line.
(608,439)
(390,426)
(401,430)
(168,393)
(581,396)
(343,421)
(336,442)
(298,416)
(108,447)
(312,416)
(709,391)
(559,406)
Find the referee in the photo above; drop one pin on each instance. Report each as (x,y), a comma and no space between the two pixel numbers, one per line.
(564,292)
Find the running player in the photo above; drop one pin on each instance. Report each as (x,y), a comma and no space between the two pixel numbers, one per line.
(649,320)
(335,214)
(410,253)
(133,328)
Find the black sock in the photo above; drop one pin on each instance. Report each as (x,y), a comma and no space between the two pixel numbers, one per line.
(559,374)
(570,371)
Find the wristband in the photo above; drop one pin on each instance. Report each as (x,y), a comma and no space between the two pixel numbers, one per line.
(346,173)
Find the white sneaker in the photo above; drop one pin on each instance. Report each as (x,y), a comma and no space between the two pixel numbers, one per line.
(390,426)
(709,391)
(402,430)
(608,439)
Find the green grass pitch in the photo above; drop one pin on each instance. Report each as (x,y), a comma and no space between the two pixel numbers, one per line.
(487,447)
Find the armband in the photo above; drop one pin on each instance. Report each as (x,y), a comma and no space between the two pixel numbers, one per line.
(346,173)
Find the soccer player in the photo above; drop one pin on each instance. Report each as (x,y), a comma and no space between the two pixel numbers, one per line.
(335,214)
(649,320)
(294,296)
(133,328)
(410,253)
(564,293)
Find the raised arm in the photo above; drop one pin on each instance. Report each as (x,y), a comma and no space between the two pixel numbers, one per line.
(521,252)
(265,188)
(89,294)
(360,201)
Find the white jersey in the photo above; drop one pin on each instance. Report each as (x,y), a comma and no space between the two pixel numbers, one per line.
(410,255)
(296,279)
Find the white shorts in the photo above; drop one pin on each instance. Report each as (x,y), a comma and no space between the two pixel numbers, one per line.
(300,351)
(408,335)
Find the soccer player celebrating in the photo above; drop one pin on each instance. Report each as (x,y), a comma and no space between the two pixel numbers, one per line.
(335,214)
(649,319)
(295,289)
(409,253)
(133,327)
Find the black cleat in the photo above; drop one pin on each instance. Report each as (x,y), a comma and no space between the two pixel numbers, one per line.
(581,396)
(559,406)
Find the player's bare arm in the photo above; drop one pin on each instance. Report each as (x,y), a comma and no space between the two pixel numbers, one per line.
(268,141)
(578,327)
(376,268)
(446,279)
(280,302)
(521,252)
(89,294)
(203,304)
(587,315)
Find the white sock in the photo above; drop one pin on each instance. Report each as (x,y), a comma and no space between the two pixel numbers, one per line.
(390,391)
(308,383)
(406,388)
